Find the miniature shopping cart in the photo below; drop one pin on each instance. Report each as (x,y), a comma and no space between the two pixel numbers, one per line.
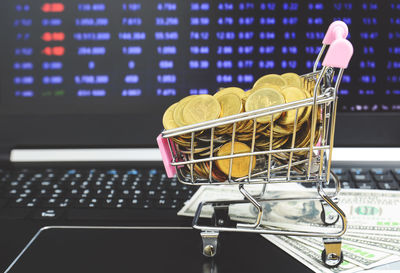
(314,167)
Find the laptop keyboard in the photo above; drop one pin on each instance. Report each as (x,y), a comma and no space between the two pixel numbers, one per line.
(109,194)
(50,190)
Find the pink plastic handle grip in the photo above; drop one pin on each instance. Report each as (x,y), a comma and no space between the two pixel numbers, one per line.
(166,156)
(337,30)
(340,49)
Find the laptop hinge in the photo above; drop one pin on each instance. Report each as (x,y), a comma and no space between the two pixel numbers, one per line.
(85,155)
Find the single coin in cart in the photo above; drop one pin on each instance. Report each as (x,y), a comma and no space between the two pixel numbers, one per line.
(231,104)
(168,118)
(292,94)
(272,79)
(262,98)
(184,142)
(247,94)
(178,111)
(292,79)
(263,85)
(306,112)
(201,108)
(216,173)
(240,165)
(267,85)
(230,90)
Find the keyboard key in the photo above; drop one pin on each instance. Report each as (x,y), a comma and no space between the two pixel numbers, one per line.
(357,171)
(379,171)
(163,204)
(343,176)
(346,184)
(13,193)
(383,177)
(361,178)
(49,214)
(173,184)
(338,171)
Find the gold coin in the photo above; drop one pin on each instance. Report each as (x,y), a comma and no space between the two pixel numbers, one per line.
(247,94)
(195,150)
(292,79)
(231,104)
(267,85)
(183,142)
(178,111)
(168,118)
(216,173)
(263,98)
(272,79)
(230,90)
(240,165)
(208,151)
(306,112)
(245,126)
(201,108)
(200,170)
(226,129)
(304,136)
(292,94)
(282,130)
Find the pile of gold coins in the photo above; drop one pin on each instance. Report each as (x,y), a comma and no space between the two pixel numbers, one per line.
(269,90)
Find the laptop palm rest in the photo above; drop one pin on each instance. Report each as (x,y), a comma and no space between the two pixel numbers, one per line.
(147,250)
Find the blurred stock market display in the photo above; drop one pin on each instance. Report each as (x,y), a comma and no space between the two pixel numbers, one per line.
(117,52)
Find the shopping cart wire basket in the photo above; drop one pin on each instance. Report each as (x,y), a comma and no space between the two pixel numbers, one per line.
(313,167)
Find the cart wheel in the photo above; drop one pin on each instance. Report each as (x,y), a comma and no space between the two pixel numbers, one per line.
(329,219)
(209,251)
(332,261)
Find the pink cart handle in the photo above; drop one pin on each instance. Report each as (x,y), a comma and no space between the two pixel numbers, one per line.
(337,30)
(166,156)
(340,49)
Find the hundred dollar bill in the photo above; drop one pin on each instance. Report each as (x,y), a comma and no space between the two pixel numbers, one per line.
(359,255)
(375,237)
(376,245)
(309,256)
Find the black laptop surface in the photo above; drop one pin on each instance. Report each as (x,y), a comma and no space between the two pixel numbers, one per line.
(84,85)
(147,249)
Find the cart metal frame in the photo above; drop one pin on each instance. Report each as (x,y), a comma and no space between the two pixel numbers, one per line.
(324,86)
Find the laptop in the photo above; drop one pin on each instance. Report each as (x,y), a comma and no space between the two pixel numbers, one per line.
(83,89)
